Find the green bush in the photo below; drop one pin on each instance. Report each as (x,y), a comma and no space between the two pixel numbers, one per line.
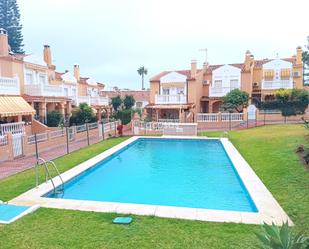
(82,114)
(54,118)
(289,102)
(274,237)
(124,116)
(235,100)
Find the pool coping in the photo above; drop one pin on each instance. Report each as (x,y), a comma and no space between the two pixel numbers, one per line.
(269,209)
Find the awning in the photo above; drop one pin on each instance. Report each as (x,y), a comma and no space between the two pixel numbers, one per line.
(14,106)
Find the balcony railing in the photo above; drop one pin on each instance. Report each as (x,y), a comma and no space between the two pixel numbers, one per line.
(171,99)
(9,86)
(277,84)
(14,128)
(44,90)
(92,100)
(220,91)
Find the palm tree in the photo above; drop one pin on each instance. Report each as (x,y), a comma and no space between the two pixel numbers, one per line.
(142,71)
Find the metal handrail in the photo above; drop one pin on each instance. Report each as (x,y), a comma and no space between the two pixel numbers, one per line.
(58,173)
(47,173)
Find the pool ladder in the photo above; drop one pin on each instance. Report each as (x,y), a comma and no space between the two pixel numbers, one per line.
(48,175)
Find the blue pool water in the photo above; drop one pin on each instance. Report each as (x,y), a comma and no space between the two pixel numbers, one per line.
(169,172)
(8,212)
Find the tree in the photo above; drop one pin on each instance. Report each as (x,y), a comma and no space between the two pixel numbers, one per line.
(235,100)
(82,114)
(142,71)
(10,20)
(116,102)
(128,101)
(54,118)
(306,63)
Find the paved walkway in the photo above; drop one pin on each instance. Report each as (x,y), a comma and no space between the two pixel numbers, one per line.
(9,168)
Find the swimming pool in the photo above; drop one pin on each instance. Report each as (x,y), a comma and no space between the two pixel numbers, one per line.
(194,173)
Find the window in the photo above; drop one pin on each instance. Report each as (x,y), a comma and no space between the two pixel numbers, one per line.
(268,74)
(180,91)
(29,78)
(74,92)
(217,84)
(166,91)
(233,84)
(285,73)
(42,78)
(139,104)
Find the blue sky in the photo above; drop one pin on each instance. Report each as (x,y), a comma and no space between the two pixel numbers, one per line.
(111,39)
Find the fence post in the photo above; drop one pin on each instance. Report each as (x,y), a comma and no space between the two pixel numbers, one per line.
(37,161)
(67,132)
(36,147)
(264,117)
(230,122)
(115,127)
(102,130)
(87,130)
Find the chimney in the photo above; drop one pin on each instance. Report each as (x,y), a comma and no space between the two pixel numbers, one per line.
(299,55)
(76,72)
(47,55)
(248,60)
(4,43)
(193,69)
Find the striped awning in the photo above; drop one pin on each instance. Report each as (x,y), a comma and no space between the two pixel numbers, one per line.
(14,106)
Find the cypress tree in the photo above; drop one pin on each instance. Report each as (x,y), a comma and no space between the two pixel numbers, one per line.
(10,20)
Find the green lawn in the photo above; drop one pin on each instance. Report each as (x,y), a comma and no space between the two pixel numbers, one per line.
(270,152)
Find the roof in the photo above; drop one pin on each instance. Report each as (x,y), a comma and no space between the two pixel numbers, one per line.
(257,64)
(183,72)
(14,106)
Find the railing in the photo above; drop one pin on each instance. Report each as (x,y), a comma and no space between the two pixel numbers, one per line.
(9,86)
(3,140)
(44,90)
(110,126)
(81,128)
(92,100)
(217,117)
(58,133)
(92,126)
(220,91)
(171,99)
(41,137)
(14,128)
(207,117)
(277,84)
(168,120)
(232,116)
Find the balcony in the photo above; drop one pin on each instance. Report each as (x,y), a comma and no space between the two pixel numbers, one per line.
(220,91)
(103,101)
(171,99)
(9,86)
(277,84)
(44,90)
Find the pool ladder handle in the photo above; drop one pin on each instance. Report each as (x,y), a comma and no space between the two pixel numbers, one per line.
(47,173)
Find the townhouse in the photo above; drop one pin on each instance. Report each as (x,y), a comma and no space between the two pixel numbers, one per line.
(182,94)
(35,79)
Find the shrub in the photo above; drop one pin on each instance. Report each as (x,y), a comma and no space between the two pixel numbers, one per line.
(281,238)
(289,102)
(124,116)
(82,114)
(54,118)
